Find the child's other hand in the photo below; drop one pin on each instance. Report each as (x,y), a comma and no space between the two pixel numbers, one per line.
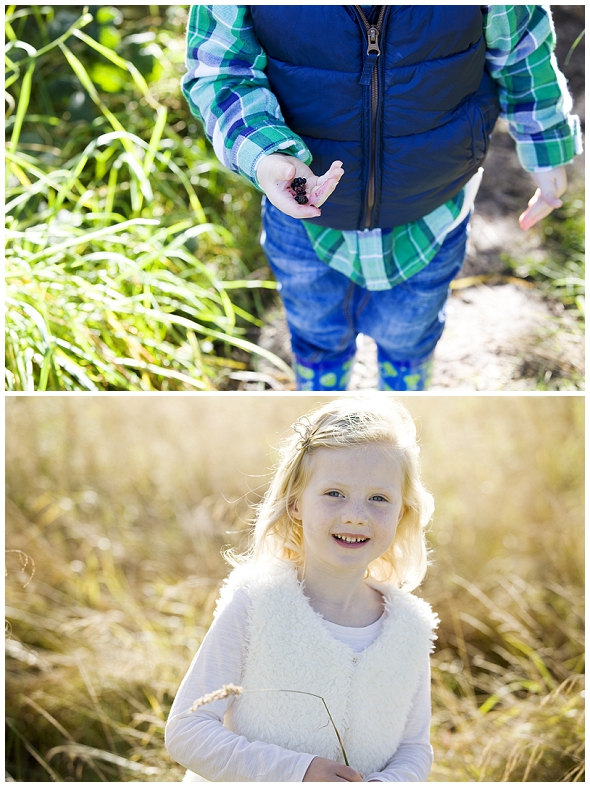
(552,185)
(324,770)
(275,174)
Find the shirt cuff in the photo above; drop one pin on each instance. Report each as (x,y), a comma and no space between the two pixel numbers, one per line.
(303,764)
(262,142)
(551,148)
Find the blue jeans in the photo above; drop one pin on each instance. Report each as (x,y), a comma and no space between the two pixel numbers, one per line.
(326,311)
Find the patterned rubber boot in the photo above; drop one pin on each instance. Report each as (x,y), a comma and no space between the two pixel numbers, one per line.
(326,376)
(404,375)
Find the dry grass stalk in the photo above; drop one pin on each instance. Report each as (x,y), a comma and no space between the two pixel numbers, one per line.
(226,691)
(25,560)
(219,694)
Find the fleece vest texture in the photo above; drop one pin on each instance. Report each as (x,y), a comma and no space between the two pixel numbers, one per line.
(409,116)
(369,694)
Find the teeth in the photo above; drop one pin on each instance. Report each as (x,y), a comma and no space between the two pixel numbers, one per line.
(349,539)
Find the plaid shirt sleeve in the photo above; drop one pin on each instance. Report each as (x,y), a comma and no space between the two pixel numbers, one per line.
(533,92)
(227,89)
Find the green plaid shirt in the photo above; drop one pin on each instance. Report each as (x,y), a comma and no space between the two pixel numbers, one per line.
(227,89)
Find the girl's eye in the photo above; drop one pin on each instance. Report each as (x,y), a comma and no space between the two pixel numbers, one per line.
(379,498)
(334,493)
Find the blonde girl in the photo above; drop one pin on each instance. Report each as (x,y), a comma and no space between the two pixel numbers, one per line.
(321,606)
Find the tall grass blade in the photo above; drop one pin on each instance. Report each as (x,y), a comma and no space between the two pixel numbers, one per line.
(573,48)
(88,85)
(86,238)
(127,65)
(162,116)
(23,105)
(32,751)
(89,752)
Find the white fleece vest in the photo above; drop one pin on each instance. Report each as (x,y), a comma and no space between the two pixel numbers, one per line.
(369,694)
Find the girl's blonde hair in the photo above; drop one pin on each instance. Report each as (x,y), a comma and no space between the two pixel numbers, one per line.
(358,421)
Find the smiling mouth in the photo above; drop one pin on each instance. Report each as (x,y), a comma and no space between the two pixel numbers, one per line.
(351,539)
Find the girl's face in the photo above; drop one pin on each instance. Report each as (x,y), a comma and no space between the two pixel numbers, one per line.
(350,508)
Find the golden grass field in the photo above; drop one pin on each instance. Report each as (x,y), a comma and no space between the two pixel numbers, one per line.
(118,507)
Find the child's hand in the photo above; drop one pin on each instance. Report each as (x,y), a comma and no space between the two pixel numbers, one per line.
(552,185)
(275,174)
(323,770)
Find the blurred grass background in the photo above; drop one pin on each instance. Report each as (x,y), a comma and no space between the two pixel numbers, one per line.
(118,507)
(132,256)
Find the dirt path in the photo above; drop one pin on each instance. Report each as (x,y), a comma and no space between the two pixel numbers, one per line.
(499,336)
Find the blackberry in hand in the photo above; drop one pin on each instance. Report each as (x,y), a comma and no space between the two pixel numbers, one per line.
(301,199)
(298,183)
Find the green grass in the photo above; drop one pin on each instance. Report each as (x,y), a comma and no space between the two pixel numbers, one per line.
(124,505)
(560,271)
(554,357)
(130,258)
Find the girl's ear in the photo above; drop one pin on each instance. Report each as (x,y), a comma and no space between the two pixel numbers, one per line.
(402,511)
(295,509)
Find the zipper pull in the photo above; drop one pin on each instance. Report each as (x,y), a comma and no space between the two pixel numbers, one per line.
(373,53)
(373,40)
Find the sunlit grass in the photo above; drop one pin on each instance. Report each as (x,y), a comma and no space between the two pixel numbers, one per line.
(125,505)
(123,271)
(555,356)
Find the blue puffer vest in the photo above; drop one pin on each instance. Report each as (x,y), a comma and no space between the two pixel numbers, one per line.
(402,99)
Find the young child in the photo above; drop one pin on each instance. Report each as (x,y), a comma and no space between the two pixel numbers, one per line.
(395,106)
(322,604)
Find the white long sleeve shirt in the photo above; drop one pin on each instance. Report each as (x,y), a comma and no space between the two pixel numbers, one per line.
(201,743)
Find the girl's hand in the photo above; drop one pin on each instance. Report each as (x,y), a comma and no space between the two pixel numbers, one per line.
(552,185)
(275,173)
(323,770)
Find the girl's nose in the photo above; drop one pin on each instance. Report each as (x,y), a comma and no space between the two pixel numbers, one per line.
(355,513)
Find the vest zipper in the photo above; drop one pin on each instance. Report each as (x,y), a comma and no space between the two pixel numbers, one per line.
(373,32)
